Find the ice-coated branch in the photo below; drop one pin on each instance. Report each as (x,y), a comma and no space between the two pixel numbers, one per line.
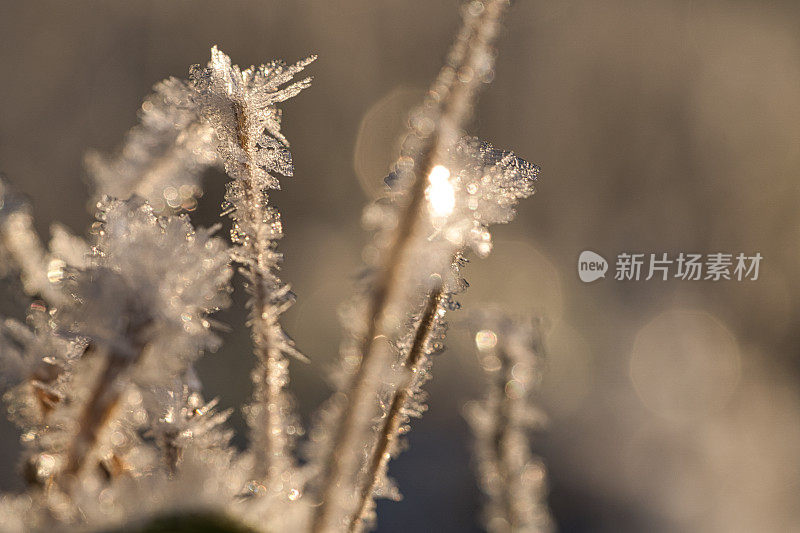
(511,353)
(240,105)
(163,157)
(406,265)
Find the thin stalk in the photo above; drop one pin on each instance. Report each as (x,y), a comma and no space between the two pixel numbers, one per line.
(394,417)
(456,88)
(263,319)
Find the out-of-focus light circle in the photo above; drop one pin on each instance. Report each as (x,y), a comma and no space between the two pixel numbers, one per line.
(685,364)
(485,339)
(379,136)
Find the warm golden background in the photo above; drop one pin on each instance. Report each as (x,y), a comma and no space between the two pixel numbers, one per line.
(660,126)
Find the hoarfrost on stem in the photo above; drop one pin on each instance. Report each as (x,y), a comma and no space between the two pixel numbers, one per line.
(240,105)
(480,185)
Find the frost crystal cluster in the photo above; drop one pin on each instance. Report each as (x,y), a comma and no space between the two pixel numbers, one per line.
(100,379)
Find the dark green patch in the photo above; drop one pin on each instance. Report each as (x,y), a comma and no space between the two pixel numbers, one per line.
(209,522)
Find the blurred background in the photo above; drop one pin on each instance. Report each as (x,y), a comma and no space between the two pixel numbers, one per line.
(660,126)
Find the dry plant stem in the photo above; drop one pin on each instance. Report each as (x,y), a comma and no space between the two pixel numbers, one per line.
(391,423)
(263,319)
(457,95)
(97,411)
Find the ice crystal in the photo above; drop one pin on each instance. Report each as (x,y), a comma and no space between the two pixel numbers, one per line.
(146,318)
(183,422)
(477,185)
(162,158)
(511,353)
(36,364)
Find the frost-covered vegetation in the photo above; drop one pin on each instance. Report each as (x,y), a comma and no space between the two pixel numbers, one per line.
(100,379)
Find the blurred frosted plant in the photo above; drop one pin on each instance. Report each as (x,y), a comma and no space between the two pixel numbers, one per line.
(162,158)
(36,364)
(241,107)
(22,250)
(101,379)
(146,285)
(148,288)
(150,282)
(510,351)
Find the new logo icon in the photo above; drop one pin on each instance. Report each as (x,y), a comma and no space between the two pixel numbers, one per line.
(591,266)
